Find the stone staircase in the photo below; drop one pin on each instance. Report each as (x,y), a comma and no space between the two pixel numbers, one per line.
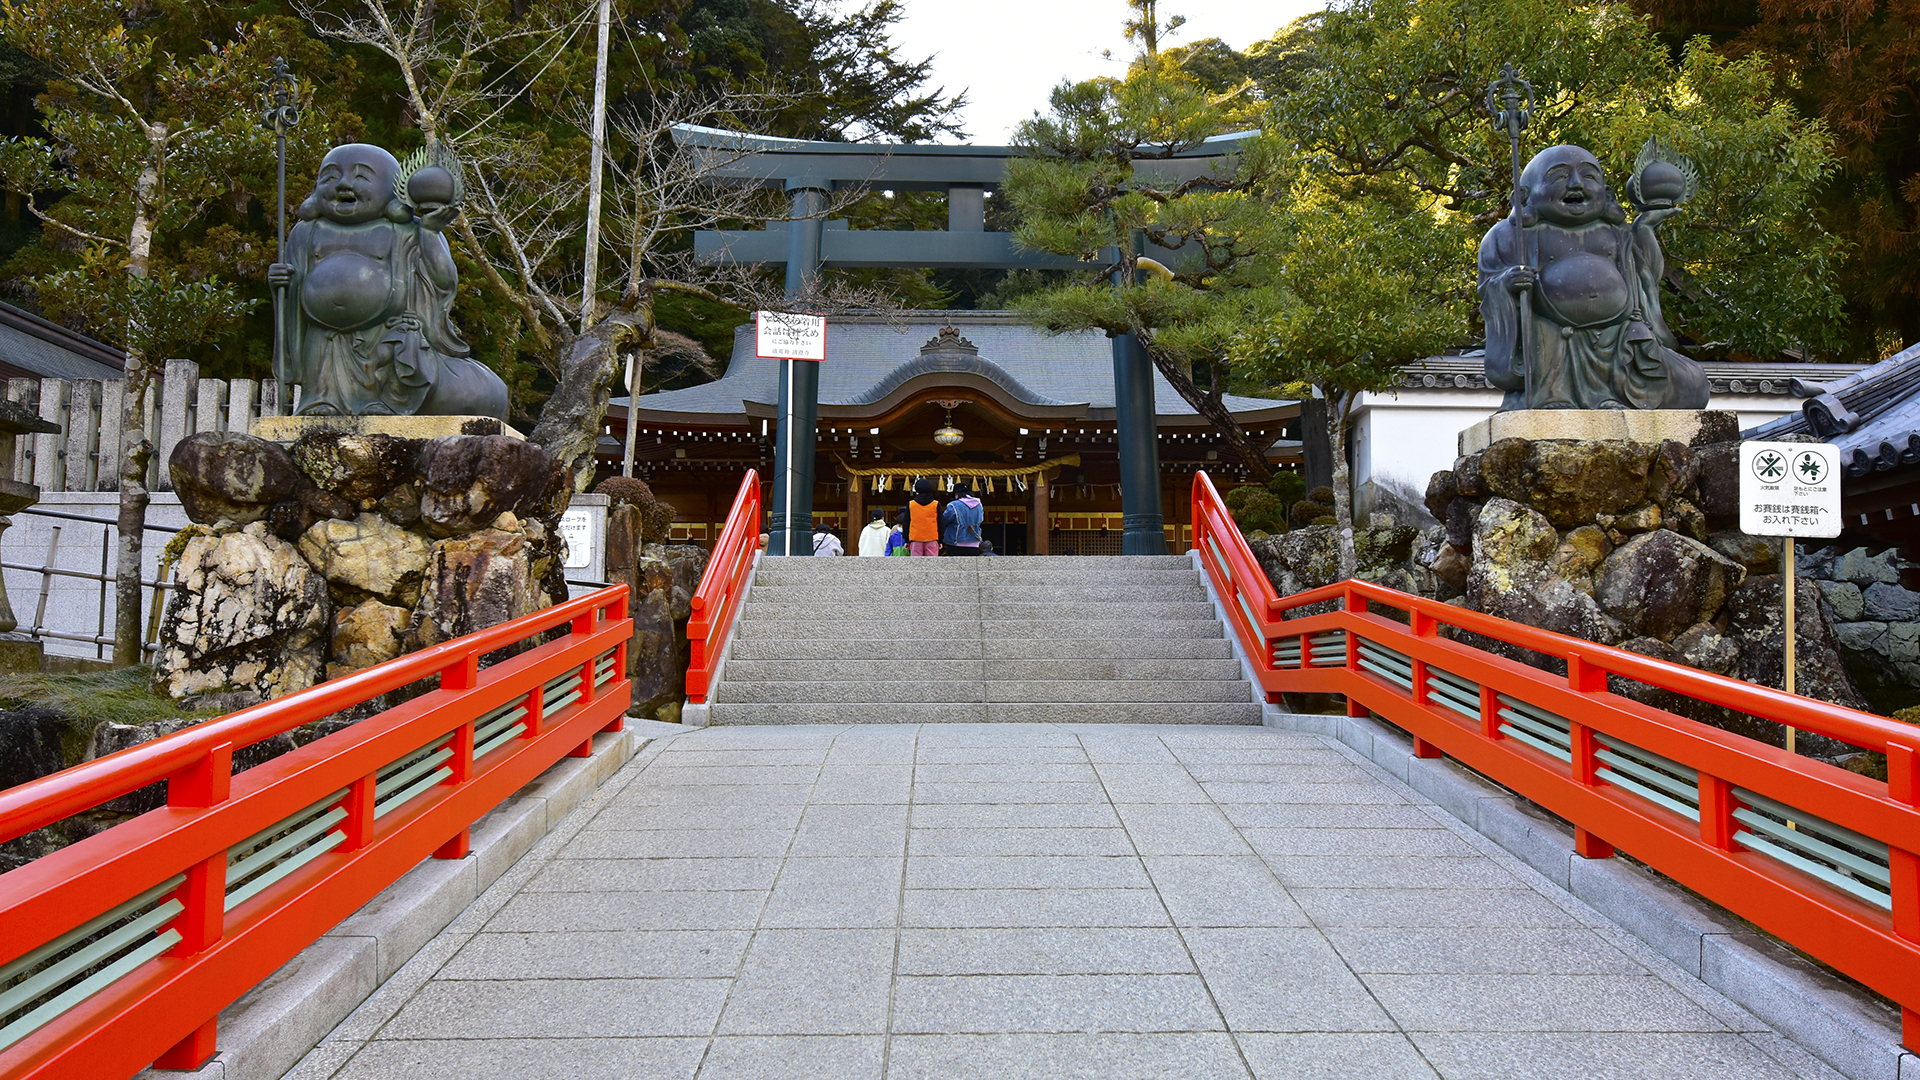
(1014,640)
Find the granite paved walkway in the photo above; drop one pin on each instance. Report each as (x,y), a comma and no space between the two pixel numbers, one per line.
(1032,901)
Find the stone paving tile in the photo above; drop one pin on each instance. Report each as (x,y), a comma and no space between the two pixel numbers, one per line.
(836,892)
(1115,1056)
(1030,816)
(1052,1003)
(812,982)
(546,913)
(679,844)
(1330,1055)
(1026,872)
(680,816)
(1011,794)
(527,1059)
(1389,872)
(1033,907)
(1032,901)
(1608,1056)
(1051,950)
(1357,843)
(1507,1002)
(604,954)
(1480,950)
(1324,816)
(795,1057)
(1439,908)
(986,842)
(653,875)
(1281,979)
(558,1008)
(1232,890)
(1171,829)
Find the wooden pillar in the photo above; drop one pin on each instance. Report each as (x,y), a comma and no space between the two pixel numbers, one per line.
(856,515)
(1037,520)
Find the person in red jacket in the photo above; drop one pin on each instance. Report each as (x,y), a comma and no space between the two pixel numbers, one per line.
(922,519)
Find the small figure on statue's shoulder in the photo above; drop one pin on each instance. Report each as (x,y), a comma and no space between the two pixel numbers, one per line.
(372,281)
(1598,338)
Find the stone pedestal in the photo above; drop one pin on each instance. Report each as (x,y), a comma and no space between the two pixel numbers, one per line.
(1688,427)
(286,429)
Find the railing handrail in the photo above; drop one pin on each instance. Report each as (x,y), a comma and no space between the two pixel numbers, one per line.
(122,947)
(716,603)
(57,796)
(1825,858)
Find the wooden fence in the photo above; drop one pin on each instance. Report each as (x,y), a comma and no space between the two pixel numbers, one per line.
(85,454)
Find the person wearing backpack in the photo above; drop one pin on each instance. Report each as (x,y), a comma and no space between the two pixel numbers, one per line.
(960,522)
(825,543)
(922,517)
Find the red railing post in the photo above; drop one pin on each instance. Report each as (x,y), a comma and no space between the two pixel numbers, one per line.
(357,827)
(461,766)
(207,782)
(1903,786)
(1585,766)
(1489,712)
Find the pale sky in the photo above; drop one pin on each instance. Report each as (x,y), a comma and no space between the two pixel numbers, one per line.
(1008,54)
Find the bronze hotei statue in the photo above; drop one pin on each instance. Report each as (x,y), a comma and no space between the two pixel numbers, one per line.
(1593,332)
(371,283)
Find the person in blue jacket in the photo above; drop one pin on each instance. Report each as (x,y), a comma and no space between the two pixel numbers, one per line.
(960,522)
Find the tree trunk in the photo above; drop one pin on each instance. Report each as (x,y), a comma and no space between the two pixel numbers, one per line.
(135,450)
(1208,404)
(570,422)
(1337,407)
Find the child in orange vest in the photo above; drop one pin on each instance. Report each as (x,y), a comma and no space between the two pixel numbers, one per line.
(923,519)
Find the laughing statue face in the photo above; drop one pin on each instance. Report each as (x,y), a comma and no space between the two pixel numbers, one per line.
(355,183)
(1564,185)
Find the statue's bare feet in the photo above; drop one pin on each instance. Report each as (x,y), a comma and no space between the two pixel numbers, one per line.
(378,408)
(320,408)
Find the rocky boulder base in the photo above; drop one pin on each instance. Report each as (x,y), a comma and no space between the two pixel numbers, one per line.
(1630,544)
(661,579)
(344,551)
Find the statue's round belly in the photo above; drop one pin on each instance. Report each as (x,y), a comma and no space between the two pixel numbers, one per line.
(346,291)
(1585,289)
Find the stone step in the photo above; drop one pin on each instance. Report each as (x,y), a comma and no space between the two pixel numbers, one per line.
(885,606)
(914,648)
(1036,592)
(1223,712)
(938,570)
(796,670)
(1029,690)
(1003,562)
(931,632)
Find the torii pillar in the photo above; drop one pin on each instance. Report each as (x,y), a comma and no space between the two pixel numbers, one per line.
(800,398)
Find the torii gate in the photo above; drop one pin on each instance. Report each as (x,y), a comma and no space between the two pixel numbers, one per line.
(806,242)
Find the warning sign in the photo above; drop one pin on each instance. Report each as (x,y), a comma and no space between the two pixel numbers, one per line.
(779,336)
(1789,489)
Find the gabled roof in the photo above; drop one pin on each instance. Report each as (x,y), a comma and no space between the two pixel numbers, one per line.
(31,346)
(874,362)
(1872,415)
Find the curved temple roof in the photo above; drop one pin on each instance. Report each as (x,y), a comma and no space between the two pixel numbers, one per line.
(873,363)
(1872,416)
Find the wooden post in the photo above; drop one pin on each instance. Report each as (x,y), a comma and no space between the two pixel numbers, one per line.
(1037,523)
(1790,629)
(856,515)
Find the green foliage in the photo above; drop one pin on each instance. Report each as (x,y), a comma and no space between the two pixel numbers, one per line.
(1288,487)
(1390,109)
(1254,507)
(88,699)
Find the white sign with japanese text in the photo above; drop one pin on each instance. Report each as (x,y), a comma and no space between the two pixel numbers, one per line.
(780,336)
(1789,489)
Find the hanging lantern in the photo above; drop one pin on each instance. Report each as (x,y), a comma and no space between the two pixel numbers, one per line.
(949,435)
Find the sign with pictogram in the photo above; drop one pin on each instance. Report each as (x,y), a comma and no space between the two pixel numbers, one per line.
(782,336)
(1789,489)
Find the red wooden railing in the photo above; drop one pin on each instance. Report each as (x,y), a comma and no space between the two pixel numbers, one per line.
(1820,856)
(717,601)
(121,949)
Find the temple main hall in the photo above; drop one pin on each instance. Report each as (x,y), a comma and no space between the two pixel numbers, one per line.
(1025,417)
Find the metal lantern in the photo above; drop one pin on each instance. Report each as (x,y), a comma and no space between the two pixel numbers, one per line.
(949,435)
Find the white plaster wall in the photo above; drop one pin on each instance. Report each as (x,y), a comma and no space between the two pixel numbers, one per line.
(1400,439)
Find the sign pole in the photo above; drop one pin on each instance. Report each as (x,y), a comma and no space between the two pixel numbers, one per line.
(1791,629)
(786,432)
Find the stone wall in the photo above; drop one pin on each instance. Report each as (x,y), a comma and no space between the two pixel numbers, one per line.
(342,551)
(1876,620)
